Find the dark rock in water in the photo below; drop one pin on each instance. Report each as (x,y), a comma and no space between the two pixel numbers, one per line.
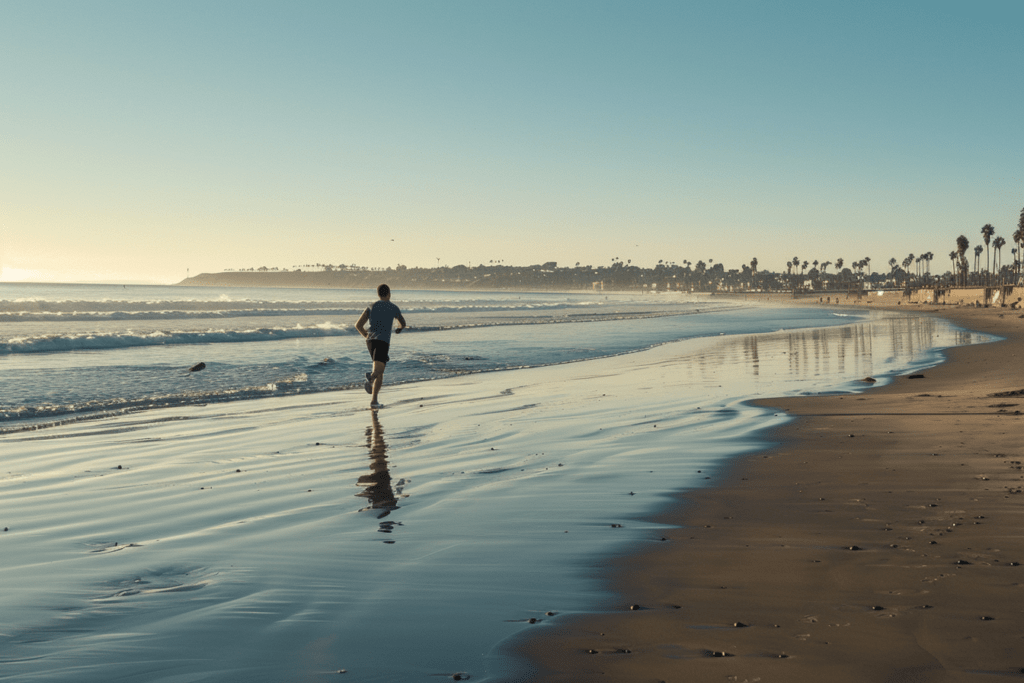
(988,618)
(853,547)
(635,607)
(915,376)
(197,367)
(740,624)
(869,380)
(877,608)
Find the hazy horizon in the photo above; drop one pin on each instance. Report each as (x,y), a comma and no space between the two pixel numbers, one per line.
(146,142)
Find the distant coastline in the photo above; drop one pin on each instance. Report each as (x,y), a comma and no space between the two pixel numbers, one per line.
(547,277)
(550,278)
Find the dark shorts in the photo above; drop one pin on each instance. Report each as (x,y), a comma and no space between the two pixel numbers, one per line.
(378,350)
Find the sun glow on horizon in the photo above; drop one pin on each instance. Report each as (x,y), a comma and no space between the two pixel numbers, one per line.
(8,274)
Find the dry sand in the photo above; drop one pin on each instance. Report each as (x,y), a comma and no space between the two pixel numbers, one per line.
(881,540)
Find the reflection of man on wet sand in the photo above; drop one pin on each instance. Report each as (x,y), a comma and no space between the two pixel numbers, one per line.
(378,482)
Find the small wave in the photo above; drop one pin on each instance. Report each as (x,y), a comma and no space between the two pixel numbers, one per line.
(92,311)
(129,316)
(92,342)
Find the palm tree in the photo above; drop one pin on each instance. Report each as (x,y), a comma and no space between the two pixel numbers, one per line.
(1018,239)
(998,243)
(977,259)
(906,266)
(986,234)
(824,268)
(753,271)
(952,268)
(1020,247)
(961,249)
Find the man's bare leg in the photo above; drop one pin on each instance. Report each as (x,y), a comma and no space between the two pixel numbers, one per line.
(377,377)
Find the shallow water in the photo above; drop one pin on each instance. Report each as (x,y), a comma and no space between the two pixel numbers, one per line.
(399,548)
(70,352)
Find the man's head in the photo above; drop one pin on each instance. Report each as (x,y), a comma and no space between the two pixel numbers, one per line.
(383,291)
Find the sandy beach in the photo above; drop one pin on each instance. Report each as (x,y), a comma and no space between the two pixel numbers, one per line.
(880,540)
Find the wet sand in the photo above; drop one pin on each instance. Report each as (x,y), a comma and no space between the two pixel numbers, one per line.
(880,540)
(294,537)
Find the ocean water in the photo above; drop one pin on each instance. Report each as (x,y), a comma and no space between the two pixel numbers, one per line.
(231,525)
(71,352)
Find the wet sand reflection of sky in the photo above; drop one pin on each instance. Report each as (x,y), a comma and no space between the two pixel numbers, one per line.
(839,354)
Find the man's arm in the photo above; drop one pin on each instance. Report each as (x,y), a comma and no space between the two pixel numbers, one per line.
(401,320)
(361,323)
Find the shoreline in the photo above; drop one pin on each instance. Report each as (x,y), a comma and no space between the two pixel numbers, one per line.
(759,580)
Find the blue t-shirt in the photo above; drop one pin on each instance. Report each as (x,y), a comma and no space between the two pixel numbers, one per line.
(382,315)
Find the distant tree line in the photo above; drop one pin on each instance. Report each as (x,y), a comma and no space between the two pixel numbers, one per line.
(799,274)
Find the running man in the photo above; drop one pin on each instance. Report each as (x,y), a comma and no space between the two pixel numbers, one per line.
(378,338)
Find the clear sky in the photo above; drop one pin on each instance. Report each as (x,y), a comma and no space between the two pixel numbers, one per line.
(143,140)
